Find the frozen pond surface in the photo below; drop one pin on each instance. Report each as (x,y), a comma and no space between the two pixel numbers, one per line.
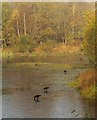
(24,80)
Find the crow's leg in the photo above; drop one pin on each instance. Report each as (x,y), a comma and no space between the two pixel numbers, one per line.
(37,100)
(45,91)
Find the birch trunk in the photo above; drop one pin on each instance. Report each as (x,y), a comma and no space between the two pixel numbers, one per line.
(24,24)
(18,31)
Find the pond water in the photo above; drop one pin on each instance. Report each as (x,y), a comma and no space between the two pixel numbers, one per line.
(22,79)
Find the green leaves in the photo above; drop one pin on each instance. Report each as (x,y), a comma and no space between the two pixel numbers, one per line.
(90,43)
(26,44)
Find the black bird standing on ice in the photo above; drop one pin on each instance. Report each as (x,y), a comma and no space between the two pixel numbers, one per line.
(65,71)
(35,64)
(81,59)
(36,98)
(45,89)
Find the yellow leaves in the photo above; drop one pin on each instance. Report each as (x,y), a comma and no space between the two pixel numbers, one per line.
(88,92)
(48,32)
(75,84)
(15,15)
(86,84)
(90,14)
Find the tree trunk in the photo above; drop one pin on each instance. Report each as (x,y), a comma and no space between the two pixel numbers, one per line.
(18,31)
(73,14)
(24,25)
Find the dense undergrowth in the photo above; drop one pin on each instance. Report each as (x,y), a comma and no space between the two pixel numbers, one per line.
(85,84)
(46,49)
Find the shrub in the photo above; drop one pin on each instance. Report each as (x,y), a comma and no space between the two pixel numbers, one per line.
(26,44)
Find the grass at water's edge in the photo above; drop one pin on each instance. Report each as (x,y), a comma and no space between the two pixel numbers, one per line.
(33,54)
(85,84)
(47,49)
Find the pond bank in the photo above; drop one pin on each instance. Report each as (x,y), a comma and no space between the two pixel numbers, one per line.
(85,84)
(46,49)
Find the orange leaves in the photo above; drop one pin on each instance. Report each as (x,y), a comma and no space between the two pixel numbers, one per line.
(87,78)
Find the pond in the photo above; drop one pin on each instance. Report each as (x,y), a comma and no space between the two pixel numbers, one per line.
(22,79)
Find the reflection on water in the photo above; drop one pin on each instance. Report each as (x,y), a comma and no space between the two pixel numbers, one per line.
(74,59)
(20,85)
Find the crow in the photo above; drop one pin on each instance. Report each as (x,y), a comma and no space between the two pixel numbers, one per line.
(45,89)
(65,71)
(35,64)
(36,98)
(81,59)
